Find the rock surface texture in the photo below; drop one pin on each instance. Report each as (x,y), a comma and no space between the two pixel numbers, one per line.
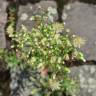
(3,19)
(86,77)
(29,10)
(81,20)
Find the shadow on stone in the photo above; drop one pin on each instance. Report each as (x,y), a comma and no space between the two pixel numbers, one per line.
(88,1)
(4,80)
(78,63)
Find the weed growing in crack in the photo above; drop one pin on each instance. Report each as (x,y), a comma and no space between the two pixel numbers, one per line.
(45,50)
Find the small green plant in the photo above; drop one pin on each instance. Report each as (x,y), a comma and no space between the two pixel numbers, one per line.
(9,58)
(11,23)
(45,48)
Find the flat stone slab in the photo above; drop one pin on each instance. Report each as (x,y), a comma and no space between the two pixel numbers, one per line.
(29,10)
(86,77)
(3,18)
(81,20)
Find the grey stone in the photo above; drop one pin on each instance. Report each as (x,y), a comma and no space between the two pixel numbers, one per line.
(91,81)
(0,94)
(3,20)
(86,68)
(26,12)
(92,70)
(86,79)
(82,80)
(94,94)
(81,20)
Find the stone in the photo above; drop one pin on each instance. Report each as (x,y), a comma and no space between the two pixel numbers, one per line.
(94,94)
(0,94)
(29,10)
(92,70)
(81,20)
(90,80)
(86,79)
(86,68)
(89,90)
(3,20)
(82,80)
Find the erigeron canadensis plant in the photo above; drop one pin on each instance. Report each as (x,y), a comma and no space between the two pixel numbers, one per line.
(45,48)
